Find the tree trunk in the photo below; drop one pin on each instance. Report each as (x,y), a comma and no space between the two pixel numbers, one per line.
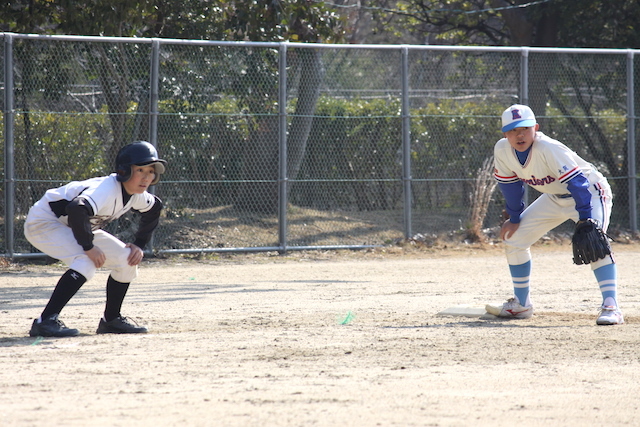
(311,75)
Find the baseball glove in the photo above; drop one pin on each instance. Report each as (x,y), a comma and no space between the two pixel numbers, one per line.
(589,242)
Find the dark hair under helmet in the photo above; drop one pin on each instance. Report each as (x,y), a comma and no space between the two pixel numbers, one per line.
(139,153)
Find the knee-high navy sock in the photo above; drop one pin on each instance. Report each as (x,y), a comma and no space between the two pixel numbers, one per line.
(70,282)
(116,292)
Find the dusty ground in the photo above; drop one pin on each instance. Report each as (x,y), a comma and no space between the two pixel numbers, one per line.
(319,338)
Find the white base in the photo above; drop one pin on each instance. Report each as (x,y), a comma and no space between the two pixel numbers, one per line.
(467,311)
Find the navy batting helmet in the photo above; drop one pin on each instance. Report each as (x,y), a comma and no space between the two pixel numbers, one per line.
(139,153)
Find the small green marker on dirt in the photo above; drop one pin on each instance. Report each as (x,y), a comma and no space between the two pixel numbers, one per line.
(348,318)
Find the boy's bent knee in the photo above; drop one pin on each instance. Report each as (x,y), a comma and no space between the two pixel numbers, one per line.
(125,274)
(84,266)
(602,262)
(517,255)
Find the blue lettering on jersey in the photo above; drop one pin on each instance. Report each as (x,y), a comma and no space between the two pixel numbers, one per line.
(539,181)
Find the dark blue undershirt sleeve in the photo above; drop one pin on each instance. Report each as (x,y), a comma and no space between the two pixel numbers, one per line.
(78,218)
(514,199)
(148,222)
(578,186)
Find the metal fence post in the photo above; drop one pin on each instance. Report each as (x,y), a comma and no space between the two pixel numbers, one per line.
(9,167)
(153,89)
(524,96)
(406,144)
(282,142)
(631,143)
(524,76)
(154,73)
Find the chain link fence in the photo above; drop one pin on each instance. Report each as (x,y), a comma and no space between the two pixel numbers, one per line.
(284,146)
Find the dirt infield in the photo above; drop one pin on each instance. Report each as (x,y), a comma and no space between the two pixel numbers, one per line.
(312,339)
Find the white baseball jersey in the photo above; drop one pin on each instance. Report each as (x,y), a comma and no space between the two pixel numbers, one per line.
(48,227)
(549,166)
(102,194)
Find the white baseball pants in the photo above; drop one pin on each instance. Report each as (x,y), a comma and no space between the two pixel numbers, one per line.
(56,240)
(549,211)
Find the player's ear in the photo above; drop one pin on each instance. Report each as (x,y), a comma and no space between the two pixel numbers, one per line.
(537,127)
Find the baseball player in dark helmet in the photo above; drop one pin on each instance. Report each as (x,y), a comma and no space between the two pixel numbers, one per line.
(66,224)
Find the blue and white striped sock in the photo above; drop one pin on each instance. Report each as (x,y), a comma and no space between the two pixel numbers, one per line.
(520,275)
(607,280)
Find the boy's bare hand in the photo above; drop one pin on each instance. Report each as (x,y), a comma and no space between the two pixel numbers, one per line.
(136,254)
(96,255)
(508,228)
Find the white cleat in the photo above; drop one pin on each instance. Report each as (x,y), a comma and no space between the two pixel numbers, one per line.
(610,315)
(510,310)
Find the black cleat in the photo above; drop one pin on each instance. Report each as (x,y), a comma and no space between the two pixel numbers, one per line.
(51,327)
(120,325)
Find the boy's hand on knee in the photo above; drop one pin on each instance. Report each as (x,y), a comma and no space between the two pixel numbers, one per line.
(508,228)
(136,254)
(96,255)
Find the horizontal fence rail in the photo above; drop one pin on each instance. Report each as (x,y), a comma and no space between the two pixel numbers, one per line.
(299,146)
